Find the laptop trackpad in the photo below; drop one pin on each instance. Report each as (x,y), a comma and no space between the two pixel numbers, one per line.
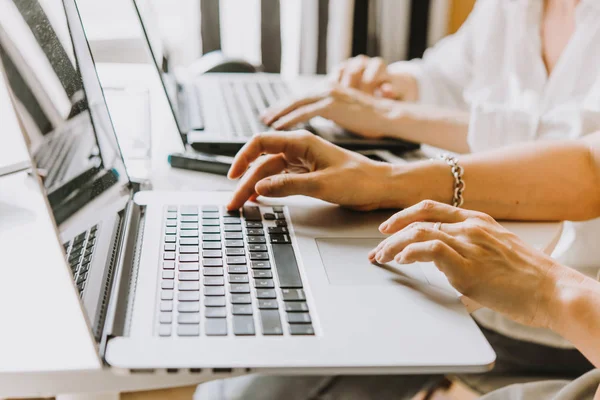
(346,263)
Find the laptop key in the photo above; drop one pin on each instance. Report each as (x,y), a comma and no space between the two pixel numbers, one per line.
(286,266)
(241,299)
(301,329)
(190,285)
(172,208)
(211,246)
(188,210)
(164,330)
(209,208)
(211,229)
(234,243)
(261,274)
(270,322)
(188,318)
(210,222)
(189,218)
(189,276)
(255,232)
(189,234)
(260,264)
(257,247)
(166,305)
(258,256)
(214,281)
(269,216)
(298,318)
(239,288)
(214,291)
(232,213)
(211,238)
(171,215)
(241,309)
(278,230)
(279,215)
(264,283)
(189,225)
(253,224)
(236,260)
(188,307)
(189,267)
(214,301)
(188,249)
(212,254)
(264,304)
(232,220)
(252,213)
(188,241)
(233,235)
(256,239)
(168,274)
(210,215)
(266,294)
(243,325)
(189,258)
(188,330)
(238,279)
(215,312)
(279,239)
(167,284)
(169,255)
(165,318)
(277,209)
(281,223)
(233,229)
(216,327)
(234,251)
(170,246)
(237,269)
(170,230)
(188,296)
(295,306)
(213,271)
(212,262)
(293,295)
(166,295)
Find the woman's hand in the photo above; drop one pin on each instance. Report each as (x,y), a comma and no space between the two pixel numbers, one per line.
(350,108)
(372,76)
(302,163)
(481,259)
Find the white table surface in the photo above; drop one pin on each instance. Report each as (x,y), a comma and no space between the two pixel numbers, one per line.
(49,354)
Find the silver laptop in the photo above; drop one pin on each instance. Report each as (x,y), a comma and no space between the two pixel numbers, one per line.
(172,282)
(219,112)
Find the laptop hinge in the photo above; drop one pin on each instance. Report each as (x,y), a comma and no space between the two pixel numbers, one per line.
(121,294)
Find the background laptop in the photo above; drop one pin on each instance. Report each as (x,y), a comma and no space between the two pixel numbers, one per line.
(218,112)
(170,281)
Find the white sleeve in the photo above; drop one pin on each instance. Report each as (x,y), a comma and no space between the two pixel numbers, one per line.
(446,68)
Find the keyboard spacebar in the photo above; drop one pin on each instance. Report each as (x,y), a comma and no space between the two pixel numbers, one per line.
(287,267)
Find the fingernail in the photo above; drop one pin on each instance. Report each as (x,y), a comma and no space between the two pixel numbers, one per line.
(383,227)
(379,258)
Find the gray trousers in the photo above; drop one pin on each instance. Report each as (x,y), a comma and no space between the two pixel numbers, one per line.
(514,359)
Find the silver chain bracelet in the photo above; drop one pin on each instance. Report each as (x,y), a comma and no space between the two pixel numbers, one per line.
(457,173)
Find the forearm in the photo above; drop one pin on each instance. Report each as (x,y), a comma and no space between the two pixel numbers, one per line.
(574,312)
(436,126)
(535,181)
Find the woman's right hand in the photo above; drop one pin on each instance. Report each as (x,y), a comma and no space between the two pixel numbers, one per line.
(372,75)
(300,163)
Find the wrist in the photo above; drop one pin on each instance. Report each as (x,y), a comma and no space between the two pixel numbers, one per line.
(404,185)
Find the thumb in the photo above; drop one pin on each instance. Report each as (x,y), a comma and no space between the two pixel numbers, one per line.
(288,185)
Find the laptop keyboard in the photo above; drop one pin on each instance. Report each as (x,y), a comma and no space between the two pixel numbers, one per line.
(80,251)
(230,273)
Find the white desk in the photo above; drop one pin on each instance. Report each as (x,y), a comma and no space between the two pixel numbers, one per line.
(58,362)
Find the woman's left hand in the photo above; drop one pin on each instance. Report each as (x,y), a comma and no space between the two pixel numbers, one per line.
(481,259)
(350,108)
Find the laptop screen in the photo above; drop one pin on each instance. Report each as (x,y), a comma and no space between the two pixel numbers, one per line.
(168,81)
(50,73)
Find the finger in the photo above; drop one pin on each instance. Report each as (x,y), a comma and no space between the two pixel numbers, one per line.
(374,75)
(283,185)
(387,91)
(269,165)
(353,72)
(272,114)
(427,210)
(436,251)
(302,114)
(422,232)
(270,143)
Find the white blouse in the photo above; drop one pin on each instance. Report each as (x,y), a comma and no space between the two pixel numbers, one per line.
(493,67)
